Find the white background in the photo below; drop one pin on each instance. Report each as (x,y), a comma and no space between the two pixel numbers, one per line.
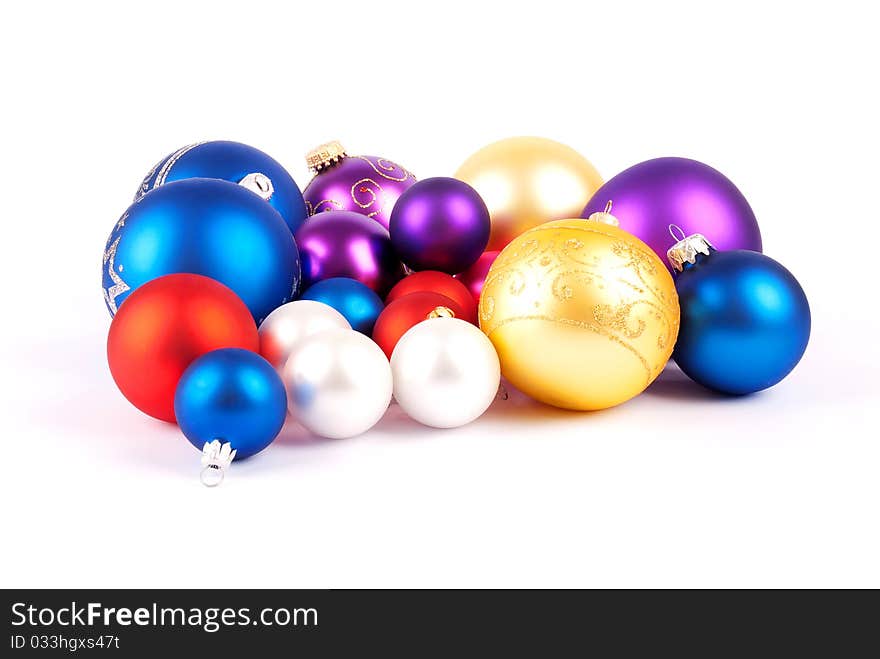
(675,488)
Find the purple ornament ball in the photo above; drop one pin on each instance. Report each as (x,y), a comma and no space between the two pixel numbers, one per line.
(368,185)
(347,244)
(649,196)
(440,224)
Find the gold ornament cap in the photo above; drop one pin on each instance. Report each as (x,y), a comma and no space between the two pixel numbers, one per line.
(441,312)
(326,155)
(687,248)
(605,217)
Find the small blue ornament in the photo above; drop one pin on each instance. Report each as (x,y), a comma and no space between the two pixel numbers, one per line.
(234,396)
(745,320)
(205,227)
(357,302)
(237,163)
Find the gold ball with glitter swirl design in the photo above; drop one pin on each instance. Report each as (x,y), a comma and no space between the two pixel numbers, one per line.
(583,315)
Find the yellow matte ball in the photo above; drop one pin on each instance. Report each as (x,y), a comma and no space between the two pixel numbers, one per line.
(582,314)
(526,181)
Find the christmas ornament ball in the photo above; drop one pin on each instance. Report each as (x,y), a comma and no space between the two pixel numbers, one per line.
(338,382)
(347,244)
(525,181)
(745,320)
(583,315)
(233,395)
(399,316)
(290,323)
(446,372)
(236,163)
(436,282)
(358,303)
(165,325)
(653,194)
(207,227)
(439,223)
(369,185)
(475,276)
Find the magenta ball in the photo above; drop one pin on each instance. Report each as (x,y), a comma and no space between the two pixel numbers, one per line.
(362,184)
(440,224)
(651,195)
(346,244)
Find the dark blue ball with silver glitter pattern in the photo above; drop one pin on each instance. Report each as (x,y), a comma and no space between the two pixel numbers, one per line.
(233,162)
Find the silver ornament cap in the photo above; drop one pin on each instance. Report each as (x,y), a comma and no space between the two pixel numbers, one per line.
(605,217)
(216,458)
(687,248)
(259,184)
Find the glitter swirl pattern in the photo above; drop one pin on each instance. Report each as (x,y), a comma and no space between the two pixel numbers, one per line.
(585,276)
(364,184)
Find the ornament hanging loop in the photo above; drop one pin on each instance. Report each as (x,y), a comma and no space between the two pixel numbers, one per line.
(211,476)
(258,183)
(216,458)
(677,232)
(605,217)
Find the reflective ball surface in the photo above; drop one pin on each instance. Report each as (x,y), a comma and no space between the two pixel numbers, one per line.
(526,181)
(649,196)
(233,162)
(165,325)
(745,321)
(358,303)
(583,315)
(440,223)
(232,395)
(446,372)
(205,227)
(338,382)
(347,244)
(368,185)
(291,323)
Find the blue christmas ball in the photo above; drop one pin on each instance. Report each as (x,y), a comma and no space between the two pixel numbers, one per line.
(205,227)
(359,304)
(233,395)
(237,163)
(745,321)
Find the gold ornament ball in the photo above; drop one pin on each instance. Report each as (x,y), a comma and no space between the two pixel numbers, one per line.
(583,315)
(526,181)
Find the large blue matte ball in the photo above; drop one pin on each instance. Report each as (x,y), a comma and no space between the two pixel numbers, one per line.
(230,161)
(205,227)
(357,302)
(233,395)
(745,321)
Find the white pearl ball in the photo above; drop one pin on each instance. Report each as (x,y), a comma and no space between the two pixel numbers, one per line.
(446,372)
(290,323)
(338,383)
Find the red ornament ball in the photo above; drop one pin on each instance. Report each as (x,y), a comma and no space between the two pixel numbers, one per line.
(163,326)
(404,312)
(433,281)
(475,276)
